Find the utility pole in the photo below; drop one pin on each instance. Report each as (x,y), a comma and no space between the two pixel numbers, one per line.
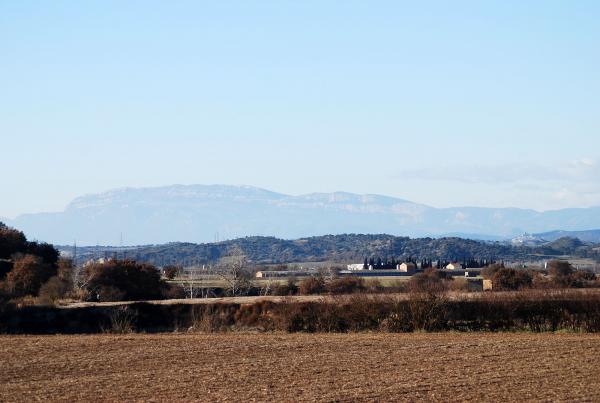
(75,269)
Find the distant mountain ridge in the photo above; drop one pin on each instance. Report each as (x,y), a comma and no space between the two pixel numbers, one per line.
(585,236)
(204,213)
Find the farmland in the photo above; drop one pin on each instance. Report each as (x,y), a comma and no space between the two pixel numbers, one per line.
(249,366)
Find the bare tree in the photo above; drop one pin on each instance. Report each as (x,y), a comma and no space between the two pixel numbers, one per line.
(330,273)
(232,269)
(267,286)
(197,284)
(79,280)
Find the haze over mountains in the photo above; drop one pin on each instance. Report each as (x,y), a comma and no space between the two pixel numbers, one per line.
(204,213)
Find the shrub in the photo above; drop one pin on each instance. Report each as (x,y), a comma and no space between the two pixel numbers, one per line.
(489,271)
(65,270)
(122,320)
(374,286)
(173,291)
(564,275)
(28,275)
(362,312)
(427,311)
(11,242)
(346,285)
(459,285)
(171,271)
(312,285)
(582,279)
(52,290)
(123,280)
(4,298)
(559,268)
(511,279)
(428,282)
(110,293)
(398,320)
(214,318)
(289,288)
(45,251)
(540,281)
(5,267)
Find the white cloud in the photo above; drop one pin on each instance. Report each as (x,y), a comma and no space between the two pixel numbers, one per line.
(508,173)
(548,185)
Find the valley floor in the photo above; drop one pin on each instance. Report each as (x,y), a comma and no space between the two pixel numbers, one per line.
(301,367)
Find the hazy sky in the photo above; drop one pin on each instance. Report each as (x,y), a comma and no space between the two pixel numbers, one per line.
(487,103)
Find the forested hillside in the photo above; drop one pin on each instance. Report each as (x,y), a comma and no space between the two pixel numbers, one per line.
(338,248)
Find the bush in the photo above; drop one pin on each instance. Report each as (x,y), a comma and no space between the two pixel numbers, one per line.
(110,293)
(427,312)
(429,282)
(11,242)
(559,268)
(289,288)
(4,298)
(5,267)
(28,275)
(122,320)
(312,285)
(346,285)
(564,275)
(53,290)
(511,279)
(489,271)
(582,279)
(65,270)
(374,286)
(173,291)
(171,271)
(459,285)
(45,251)
(125,280)
(24,265)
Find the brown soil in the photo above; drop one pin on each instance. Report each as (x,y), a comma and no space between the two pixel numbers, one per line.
(297,367)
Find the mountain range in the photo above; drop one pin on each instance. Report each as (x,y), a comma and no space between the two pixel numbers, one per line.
(203,213)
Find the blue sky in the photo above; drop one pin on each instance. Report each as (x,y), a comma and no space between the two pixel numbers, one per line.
(486,103)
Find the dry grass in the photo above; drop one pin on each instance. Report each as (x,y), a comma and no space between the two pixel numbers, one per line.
(297,367)
(573,292)
(203,301)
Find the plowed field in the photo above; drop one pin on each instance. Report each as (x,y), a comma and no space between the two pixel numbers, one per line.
(297,367)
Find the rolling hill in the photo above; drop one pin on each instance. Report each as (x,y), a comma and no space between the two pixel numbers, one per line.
(337,248)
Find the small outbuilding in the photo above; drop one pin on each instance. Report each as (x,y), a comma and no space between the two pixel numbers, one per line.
(407,267)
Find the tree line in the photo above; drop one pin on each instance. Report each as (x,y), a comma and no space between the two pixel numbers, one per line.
(424,263)
(35,272)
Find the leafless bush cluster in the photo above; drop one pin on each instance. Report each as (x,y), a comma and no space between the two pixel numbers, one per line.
(121,320)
